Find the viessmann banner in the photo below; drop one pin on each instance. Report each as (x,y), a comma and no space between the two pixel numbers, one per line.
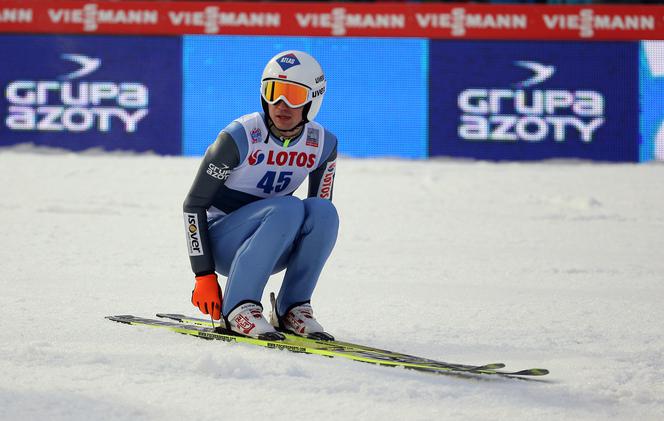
(460,96)
(117,93)
(434,21)
(534,100)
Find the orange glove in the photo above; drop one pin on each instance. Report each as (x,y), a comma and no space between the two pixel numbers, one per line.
(207,295)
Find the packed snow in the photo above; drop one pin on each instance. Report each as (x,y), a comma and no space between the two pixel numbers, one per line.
(553,264)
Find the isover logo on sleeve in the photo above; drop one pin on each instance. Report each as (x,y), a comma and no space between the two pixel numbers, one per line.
(528,113)
(193,234)
(76,102)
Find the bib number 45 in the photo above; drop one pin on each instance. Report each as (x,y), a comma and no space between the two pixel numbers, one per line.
(271,181)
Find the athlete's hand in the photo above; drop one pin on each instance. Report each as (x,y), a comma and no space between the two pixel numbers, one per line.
(207,295)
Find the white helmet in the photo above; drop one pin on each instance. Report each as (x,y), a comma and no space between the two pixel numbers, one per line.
(297,68)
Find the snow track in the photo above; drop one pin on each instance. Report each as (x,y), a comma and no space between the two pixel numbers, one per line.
(557,265)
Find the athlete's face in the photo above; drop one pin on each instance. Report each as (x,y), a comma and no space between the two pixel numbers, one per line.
(284,117)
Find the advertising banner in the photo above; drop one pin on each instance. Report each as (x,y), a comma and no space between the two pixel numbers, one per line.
(422,20)
(651,79)
(534,100)
(375,103)
(81,92)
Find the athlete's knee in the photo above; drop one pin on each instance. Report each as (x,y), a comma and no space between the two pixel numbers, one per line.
(288,212)
(321,212)
(288,205)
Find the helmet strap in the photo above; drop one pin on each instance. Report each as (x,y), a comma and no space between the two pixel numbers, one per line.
(284,134)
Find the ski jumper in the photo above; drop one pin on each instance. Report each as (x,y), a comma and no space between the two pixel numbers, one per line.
(242,221)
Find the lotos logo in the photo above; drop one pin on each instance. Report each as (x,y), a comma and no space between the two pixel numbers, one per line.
(256,157)
(283,159)
(193,235)
(530,114)
(288,61)
(68,104)
(325,189)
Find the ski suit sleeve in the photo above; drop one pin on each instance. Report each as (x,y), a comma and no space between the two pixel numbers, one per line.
(321,180)
(221,157)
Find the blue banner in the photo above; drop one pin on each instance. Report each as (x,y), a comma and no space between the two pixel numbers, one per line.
(508,100)
(81,92)
(651,79)
(376,100)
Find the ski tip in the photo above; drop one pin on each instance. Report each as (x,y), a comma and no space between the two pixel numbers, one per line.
(532,372)
(120,318)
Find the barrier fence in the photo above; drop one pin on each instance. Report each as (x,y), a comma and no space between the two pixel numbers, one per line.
(498,82)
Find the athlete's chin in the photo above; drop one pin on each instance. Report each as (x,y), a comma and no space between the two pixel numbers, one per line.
(284,124)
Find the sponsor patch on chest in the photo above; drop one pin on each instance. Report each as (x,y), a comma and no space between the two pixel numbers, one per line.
(283,158)
(312,137)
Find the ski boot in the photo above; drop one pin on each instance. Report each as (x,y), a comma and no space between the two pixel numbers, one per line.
(299,320)
(247,320)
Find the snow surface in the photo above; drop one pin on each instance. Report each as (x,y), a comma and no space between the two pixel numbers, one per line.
(554,265)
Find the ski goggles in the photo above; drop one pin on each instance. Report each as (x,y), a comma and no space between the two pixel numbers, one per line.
(275,90)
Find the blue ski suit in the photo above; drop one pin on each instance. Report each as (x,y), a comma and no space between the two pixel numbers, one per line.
(242,220)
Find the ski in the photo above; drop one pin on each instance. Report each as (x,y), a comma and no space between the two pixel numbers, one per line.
(298,344)
(346,346)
